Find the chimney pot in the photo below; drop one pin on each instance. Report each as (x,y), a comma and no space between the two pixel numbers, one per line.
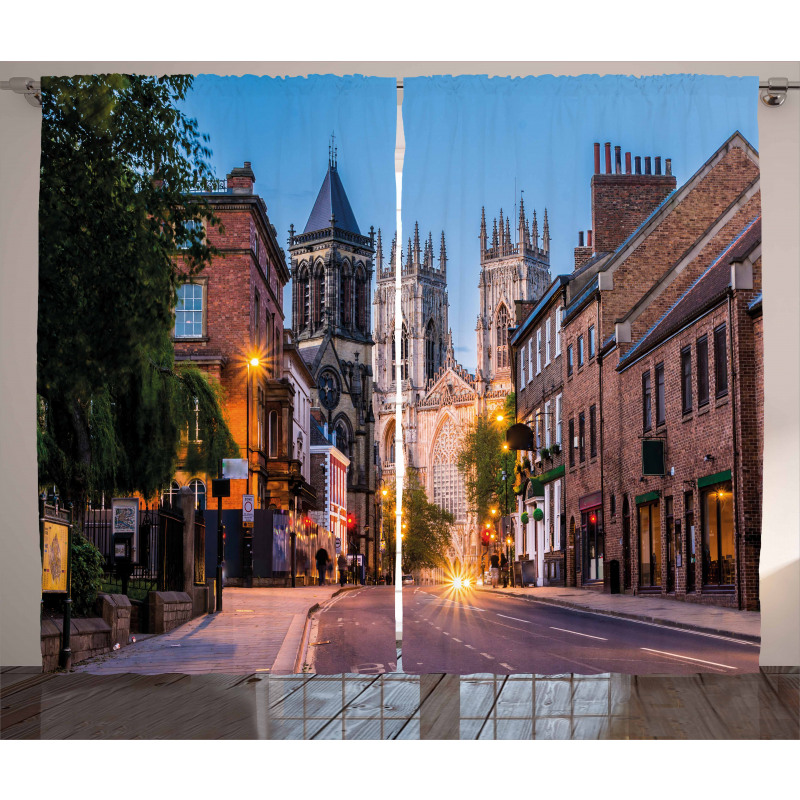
(588,238)
(608,157)
(596,158)
(617,160)
(580,238)
(627,163)
(668,168)
(658,165)
(647,166)
(638,165)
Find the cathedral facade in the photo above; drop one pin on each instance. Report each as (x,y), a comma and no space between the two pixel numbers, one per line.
(331,270)
(440,398)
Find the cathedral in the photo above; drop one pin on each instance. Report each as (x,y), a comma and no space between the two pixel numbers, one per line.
(331,269)
(441,398)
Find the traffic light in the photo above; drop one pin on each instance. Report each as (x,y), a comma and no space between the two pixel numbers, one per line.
(351,521)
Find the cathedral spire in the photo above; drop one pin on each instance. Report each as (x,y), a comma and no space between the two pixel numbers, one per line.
(450,357)
(534,232)
(332,151)
(394,252)
(429,261)
(482,236)
(409,256)
(494,239)
(416,245)
(502,235)
(546,234)
(443,255)
(523,225)
(379,252)
(507,237)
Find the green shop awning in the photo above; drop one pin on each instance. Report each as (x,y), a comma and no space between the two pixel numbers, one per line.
(717,477)
(647,498)
(546,477)
(534,488)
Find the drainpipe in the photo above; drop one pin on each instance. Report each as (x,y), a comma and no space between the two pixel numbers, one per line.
(737,538)
(600,425)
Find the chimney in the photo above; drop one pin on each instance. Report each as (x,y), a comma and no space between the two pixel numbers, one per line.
(668,168)
(241,179)
(596,158)
(622,201)
(582,253)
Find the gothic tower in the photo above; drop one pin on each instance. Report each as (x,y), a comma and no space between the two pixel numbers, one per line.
(512,268)
(331,268)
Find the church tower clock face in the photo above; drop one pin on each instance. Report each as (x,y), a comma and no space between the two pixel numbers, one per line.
(329,388)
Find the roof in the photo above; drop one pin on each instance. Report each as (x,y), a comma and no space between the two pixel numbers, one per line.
(755,304)
(318,436)
(709,287)
(332,202)
(558,282)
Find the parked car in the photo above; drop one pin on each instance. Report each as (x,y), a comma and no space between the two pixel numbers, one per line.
(408,579)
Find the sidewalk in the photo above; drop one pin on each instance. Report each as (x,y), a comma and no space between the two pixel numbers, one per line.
(676,613)
(258,630)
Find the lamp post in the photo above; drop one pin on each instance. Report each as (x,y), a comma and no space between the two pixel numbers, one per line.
(251,362)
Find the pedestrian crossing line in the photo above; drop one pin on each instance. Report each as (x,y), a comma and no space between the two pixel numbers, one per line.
(456,640)
(507,666)
(516,619)
(445,633)
(587,635)
(688,658)
(486,655)
(469,646)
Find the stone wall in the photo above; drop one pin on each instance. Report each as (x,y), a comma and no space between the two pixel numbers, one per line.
(88,638)
(168,610)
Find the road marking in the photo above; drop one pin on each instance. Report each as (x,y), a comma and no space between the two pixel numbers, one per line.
(456,640)
(688,658)
(445,633)
(588,636)
(244,610)
(507,666)
(516,619)
(438,628)
(470,646)
(486,655)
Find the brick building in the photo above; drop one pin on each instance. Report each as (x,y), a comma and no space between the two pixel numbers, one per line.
(230,313)
(663,382)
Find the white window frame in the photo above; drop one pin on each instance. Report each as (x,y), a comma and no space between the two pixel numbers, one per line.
(538,350)
(547,342)
(557,514)
(559,314)
(201,286)
(558,418)
(521,377)
(546,520)
(530,360)
(538,431)
(547,424)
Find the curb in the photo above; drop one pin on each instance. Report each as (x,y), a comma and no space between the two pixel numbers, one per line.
(302,651)
(635,617)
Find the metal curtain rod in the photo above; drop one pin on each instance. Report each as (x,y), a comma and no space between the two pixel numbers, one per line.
(773,94)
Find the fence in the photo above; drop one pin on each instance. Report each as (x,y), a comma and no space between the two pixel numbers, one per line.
(157,549)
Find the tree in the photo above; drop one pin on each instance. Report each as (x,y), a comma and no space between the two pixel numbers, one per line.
(118,162)
(482,460)
(426,536)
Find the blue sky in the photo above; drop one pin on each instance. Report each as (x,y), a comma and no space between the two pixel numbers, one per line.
(283,127)
(469,139)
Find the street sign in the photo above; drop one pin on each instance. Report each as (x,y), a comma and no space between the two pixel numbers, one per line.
(55,554)
(338,544)
(248,514)
(234,468)
(220,487)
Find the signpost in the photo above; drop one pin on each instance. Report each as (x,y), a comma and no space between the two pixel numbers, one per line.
(55,541)
(124,534)
(248,513)
(234,469)
(220,487)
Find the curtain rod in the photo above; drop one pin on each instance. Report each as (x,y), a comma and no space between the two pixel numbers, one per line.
(773,94)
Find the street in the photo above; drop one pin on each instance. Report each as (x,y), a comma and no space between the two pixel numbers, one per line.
(466,632)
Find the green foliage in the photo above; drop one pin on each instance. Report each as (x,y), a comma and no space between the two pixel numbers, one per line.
(426,536)
(87,575)
(482,461)
(118,162)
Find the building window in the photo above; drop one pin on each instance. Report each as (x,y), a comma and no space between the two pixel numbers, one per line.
(559,313)
(649,545)
(702,371)
(660,396)
(591,341)
(686,379)
(669,530)
(257,319)
(538,426)
(189,311)
(361,301)
(345,299)
(260,419)
(719,554)
(571,443)
(547,341)
(430,350)
(319,296)
(580,352)
(547,424)
(538,350)
(720,361)
(569,360)
(530,360)
(273,434)
(592,525)
(190,227)
(592,427)
(688,520)
(448,482)
(199,491)
(613,505)
(502,323)
(171,495)
(647,422)
(581,436)
(194,429)
(522,375)
(558,420)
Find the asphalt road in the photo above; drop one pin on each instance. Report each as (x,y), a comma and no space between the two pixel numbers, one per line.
(472,631)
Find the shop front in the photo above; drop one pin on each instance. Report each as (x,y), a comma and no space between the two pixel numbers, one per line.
(592,538)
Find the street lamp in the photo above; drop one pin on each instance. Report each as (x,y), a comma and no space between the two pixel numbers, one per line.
(251,362)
